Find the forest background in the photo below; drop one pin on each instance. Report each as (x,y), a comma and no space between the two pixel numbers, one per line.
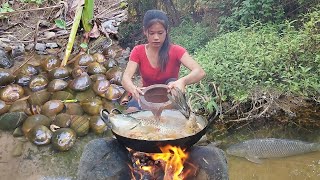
(262,57)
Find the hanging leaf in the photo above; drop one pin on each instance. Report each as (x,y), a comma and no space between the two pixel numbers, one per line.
(87,15)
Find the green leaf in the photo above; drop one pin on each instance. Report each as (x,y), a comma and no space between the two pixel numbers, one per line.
(84,45)
(60,23)
(123,5)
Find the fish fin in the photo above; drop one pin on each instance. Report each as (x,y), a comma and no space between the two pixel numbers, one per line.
(178,99)
(254,159)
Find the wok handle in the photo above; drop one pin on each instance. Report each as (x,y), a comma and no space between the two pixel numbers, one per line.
(104,114)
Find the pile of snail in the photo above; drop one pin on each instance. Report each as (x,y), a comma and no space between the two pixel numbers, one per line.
(51,104)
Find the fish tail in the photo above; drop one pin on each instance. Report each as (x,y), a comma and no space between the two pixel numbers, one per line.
(315,147)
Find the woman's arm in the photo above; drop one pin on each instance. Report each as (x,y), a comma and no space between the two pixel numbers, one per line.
(127,80)
(196,74)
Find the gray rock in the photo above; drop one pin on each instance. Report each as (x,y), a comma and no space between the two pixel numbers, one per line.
(103,159)
(110,26)
(5,61)
(211,161)
(51,45)
(49,34)
(107,159)
(40,47)
(42,52)
(17,52)
(4,43)
(29,47)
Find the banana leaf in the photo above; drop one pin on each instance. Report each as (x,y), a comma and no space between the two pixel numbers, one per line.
(87,15)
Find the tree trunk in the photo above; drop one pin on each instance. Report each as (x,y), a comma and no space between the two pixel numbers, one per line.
(173,14)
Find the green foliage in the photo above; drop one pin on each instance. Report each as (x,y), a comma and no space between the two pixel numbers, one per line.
(267,56)
(32,1)
(246,12)
(60,23)
(191,35)
(5,7)
(202,98)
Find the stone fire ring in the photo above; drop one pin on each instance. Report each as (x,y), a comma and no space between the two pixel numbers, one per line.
(155,97)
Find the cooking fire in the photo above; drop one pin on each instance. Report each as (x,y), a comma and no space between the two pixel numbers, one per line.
(171,164)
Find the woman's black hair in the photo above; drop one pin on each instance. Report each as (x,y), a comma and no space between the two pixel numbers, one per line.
(157,16)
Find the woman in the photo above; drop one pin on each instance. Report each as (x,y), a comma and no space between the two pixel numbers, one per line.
(158,61)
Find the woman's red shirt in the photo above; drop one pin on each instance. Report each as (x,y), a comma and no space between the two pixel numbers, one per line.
(151,75)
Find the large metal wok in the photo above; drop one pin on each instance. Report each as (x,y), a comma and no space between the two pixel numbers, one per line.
(153,146)
(157,97)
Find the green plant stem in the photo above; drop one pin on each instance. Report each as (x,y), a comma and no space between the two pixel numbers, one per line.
(72,35)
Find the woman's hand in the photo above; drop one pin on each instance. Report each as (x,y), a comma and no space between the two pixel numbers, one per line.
(178,84)
(136,92)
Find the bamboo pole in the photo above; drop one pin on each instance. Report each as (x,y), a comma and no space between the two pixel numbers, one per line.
(72,35)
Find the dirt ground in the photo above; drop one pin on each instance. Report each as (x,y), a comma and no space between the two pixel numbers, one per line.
(22,160)
(31,20)
(15,167)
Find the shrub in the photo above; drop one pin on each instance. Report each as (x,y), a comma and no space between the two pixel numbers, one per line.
(190,35)
(264,55)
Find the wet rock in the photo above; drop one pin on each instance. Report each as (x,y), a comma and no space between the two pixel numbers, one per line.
(103,159)
(10,121)
(211,161)
(5,61)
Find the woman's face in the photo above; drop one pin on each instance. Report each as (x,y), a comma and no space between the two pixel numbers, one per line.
(156,34)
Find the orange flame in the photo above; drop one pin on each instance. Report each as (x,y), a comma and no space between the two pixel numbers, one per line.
(174,158)
(172,161)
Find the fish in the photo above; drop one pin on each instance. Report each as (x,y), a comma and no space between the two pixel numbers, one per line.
(256,149)
(119,121)
(144,126)
(179,100)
